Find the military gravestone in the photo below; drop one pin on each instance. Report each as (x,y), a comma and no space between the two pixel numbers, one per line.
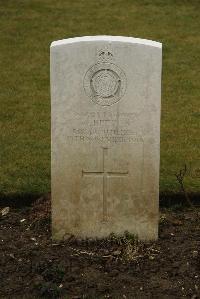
(105,94)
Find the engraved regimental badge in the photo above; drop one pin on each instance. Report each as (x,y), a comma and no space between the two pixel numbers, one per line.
(105,82)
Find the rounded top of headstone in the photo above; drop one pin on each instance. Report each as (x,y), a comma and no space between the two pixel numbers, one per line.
(107,38)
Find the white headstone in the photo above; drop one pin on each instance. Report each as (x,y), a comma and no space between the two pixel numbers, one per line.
(105,94)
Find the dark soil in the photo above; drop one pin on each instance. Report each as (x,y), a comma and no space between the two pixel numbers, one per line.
(32,266)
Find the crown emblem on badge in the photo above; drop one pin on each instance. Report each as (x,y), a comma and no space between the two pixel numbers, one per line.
(105,55)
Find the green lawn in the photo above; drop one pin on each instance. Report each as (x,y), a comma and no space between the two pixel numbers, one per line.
(27,29)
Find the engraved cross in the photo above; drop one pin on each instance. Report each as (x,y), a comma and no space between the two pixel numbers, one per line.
(105,175)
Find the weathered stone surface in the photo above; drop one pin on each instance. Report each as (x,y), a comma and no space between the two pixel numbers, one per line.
(105,94)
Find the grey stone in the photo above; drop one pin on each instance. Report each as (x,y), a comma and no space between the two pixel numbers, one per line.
(105,95)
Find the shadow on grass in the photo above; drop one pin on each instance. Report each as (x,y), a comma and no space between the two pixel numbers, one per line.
(167,199)
(20,200)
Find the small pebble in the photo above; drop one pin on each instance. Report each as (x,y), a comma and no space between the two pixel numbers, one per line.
(116,252)
(151,257)
(5,211)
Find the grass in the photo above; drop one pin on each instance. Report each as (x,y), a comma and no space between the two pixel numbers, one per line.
(27,29)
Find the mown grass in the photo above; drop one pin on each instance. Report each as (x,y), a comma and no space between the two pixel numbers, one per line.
(27,29)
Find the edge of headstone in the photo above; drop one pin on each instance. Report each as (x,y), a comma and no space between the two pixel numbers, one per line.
(124,39)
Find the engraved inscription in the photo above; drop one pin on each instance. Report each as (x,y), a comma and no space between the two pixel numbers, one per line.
(105,127)
(105,118)
(105,175)
(102,139)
